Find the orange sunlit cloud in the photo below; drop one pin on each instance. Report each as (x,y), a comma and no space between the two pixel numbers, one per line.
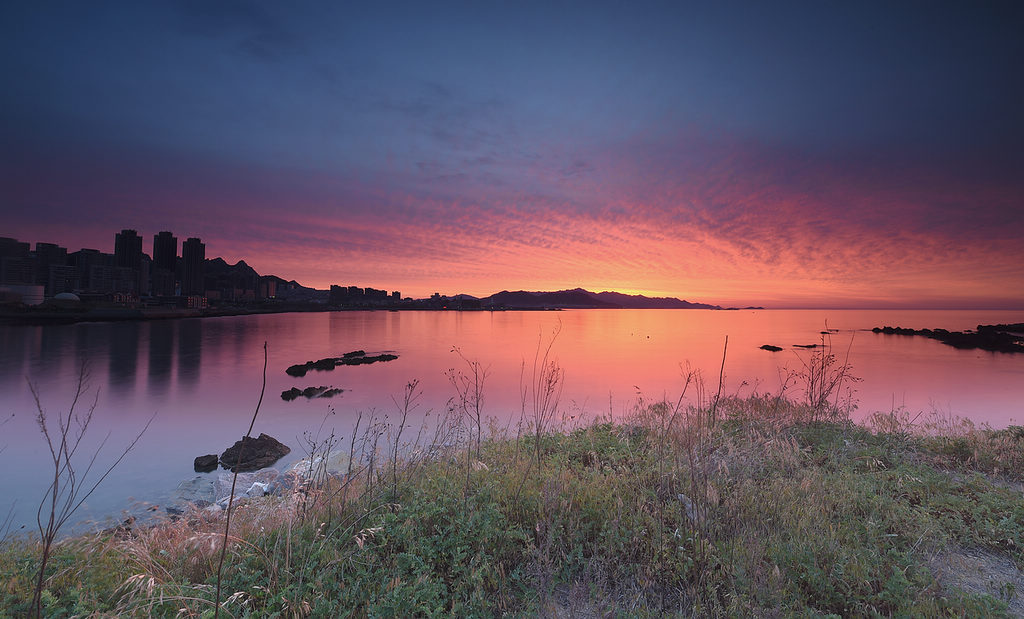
(732,225)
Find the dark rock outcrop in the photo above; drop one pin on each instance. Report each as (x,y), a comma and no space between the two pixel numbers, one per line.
(771,348)
(256,453)
(310,393)
(994,338)
(356,357)
(205,464)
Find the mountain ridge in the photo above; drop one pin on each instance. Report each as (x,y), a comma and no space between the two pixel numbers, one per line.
(581,298)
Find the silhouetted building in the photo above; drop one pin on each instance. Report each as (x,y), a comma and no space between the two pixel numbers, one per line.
(128,255)
(144,274)
(47,255)
(83,260)
(337,295)
(165,258)
(396,296)
(128,249)
(17,270)
(17,265)
(268,287)
(110,279)
(13,248)
(193,258)
(62,278)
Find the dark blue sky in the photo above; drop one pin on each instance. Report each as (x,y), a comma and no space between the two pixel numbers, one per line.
(803,152)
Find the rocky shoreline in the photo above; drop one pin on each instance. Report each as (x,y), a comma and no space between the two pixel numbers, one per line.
(212,493)
(1005,338)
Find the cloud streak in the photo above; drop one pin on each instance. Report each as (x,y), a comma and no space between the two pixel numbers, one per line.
(731,154)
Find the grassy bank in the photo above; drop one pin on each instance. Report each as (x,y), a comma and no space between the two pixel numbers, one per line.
(750,507)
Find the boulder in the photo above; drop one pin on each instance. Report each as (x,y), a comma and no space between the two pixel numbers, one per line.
(205,464)
(256,453)
(194,491)
(264,480)
(334,465)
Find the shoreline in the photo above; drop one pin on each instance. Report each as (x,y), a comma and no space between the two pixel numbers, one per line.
(668,511)
(57,317)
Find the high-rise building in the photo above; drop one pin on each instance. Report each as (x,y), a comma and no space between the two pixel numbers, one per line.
(165,258)
(193,257)
(165,250)
(128,255)
(128,249)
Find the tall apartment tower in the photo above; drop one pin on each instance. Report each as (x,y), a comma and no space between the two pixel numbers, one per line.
(193,257)
(128,249)
(128,255)
(165,257)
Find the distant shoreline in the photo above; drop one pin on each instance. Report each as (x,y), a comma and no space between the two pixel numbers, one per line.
(58,317)
(117,314)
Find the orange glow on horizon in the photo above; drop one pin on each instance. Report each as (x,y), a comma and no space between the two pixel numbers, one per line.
(726,236)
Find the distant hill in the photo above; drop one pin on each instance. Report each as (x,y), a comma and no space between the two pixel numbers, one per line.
(639,301)
(584,299)
(219,274)
(563,298)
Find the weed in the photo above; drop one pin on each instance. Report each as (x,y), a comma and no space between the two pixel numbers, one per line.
(71,485)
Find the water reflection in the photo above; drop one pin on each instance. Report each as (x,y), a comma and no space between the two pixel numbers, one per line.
(53,350)
(14,343)
(190,338)
(161,349)
(203,376)
(123,341)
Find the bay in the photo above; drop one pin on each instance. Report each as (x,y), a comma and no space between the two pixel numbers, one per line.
(200,379)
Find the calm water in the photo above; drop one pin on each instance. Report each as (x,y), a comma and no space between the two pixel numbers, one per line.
(201,378)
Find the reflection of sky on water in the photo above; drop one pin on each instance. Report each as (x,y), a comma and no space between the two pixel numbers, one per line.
(201,377)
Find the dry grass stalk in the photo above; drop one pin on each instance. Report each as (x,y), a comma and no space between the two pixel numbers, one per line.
(70,488)
(234,481)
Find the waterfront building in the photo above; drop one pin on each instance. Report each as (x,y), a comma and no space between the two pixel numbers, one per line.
(193,257)
(49,255)
(165,258)
(128,255)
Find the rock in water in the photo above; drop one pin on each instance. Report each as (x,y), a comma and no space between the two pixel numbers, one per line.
(257,453)
(205,464)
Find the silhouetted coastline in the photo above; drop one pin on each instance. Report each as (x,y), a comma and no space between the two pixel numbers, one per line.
(1006,338)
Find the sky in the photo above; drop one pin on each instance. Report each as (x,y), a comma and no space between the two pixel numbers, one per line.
(782,154)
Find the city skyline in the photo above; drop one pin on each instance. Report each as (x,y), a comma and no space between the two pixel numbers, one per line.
(128,273)
(785,155)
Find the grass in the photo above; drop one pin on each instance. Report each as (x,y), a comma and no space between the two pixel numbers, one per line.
(770,509)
